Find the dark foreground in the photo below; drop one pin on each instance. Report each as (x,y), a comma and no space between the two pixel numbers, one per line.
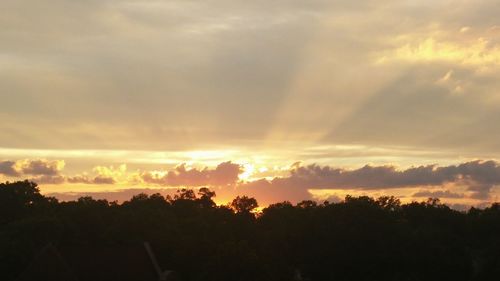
(358,239)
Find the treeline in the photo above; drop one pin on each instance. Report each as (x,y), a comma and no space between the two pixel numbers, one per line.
(360,238)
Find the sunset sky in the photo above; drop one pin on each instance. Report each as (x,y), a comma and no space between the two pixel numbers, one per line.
(280,100)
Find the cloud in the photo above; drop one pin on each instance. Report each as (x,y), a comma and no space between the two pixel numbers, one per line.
(111,171)
(480,52)
(438,194)
(49,172)
(8,168)
(41,171)
(38,167)
(44,171)
(225,173)
(103,175)
(309,55)
(85,179)
(479,177)
(367,177)
(49,179)
(480,190)
(104,180)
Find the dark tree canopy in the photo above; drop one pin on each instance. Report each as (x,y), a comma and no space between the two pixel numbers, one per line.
(359,238)
(244,204)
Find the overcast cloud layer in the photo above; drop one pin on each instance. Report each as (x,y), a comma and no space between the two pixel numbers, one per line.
(190,74)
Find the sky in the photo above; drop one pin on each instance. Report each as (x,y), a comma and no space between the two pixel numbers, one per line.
(280,100)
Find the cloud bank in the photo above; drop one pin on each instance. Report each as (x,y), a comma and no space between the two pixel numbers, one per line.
(478,177)
(475,180)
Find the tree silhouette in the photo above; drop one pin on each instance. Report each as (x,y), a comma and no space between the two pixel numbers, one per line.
(359,238)
(244,204)
(185,194)
(206,197)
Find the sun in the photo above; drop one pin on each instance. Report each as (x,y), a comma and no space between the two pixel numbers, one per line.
(248,171)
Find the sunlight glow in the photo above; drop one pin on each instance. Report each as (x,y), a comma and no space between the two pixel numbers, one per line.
(249,170)
(200,155)
(479,52)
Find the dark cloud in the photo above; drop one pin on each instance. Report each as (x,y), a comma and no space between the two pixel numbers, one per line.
(49,179)
(478,176)
(224,174)
(104,180)
(100,179)
(438,194)
(41,167)
(49,172)
(37,167)
(8,168)
(480,191)
(367,177)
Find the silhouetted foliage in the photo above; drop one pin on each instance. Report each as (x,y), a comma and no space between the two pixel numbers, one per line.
(360,238)
(244,204)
